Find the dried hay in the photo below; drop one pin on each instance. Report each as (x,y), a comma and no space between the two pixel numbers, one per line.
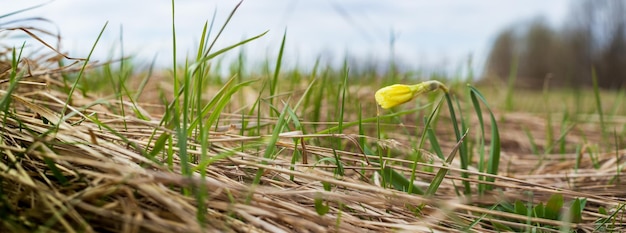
(109,185)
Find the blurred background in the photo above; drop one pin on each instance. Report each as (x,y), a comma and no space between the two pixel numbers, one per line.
(534,39)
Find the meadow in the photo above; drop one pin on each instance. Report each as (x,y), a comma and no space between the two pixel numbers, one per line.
(104,147)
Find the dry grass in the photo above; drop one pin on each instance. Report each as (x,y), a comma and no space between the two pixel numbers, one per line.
(109,184)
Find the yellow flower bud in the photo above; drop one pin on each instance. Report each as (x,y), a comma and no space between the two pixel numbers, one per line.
(390,96)
(394,95)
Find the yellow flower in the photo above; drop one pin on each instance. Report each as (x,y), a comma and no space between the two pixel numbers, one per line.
(394,95)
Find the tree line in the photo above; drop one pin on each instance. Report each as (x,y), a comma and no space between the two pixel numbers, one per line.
(592,40)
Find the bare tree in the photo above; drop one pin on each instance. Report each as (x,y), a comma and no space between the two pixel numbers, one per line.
(536,60)
(502,54)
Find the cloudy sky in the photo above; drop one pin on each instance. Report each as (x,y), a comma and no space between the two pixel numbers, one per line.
(427,33)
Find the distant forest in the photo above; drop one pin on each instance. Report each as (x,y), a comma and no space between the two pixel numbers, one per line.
(591,40)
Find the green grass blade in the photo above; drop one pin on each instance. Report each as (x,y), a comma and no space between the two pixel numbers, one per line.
(553,207)
(207,161)
(397,180)
(158,145)
(174,61)
(400,182)
(321,208)
(613,216)
(14,79)
(596,92)
(576,210)
(432,116)
(462,148)
(305,96)
(23,10)
(271,144)
(344,87)
(223,101)
(219,33)
(314,77)
(479,219)
(319,98)
(434,143)
(80,75)
(533,146)
(199,76)
(296,141)
(56,172)
(508,106)
(441,174)
(279,61)
(194,67)
(494,147)
(145,80)
(481,139)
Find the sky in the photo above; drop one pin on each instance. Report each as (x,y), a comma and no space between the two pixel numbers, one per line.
(440,34)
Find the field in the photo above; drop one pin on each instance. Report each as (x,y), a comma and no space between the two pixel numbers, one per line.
(102,147)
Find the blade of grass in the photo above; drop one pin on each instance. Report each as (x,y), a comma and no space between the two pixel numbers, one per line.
(296,141)
(481,140)
(14,79)
(23,10)
(230,16)
(602,223)
(561,141)
(146,79)
(462,149)
(336,160)
(342,106)
(397,180)
(546,100)
(553,206)
(279,62)
(616,178)
(511,84)
(618,104)
(380,150)
(121,85)
(494,147)
(344,86)
(314,77)
(596,92)
(174,62)
(223,101)
(78,78)
(479,219)
(271,145)
(434,143)
(181,123)
(432,116)
(441,174)
(561,137)
(195,65)
(531,139)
